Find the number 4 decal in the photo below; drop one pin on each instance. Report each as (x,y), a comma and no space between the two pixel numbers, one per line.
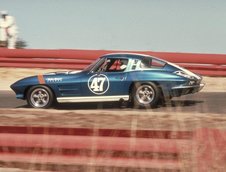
(98,84)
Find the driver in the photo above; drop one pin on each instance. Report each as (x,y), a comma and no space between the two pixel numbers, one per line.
(123,64)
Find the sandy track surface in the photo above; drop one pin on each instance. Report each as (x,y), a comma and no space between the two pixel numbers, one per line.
(123,119)
(10,75)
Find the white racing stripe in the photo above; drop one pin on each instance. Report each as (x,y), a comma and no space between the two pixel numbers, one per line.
(92,99)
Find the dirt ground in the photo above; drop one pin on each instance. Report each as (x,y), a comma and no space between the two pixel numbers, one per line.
(123,119)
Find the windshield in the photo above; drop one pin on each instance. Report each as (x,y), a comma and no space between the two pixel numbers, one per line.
(89,67)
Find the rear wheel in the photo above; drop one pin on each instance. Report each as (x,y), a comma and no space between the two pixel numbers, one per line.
(145,95)
(40,97)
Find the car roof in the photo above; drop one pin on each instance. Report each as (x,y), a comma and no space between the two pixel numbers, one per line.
(131,55)
(125,54)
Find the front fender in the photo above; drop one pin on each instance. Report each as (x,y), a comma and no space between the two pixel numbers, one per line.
(20,87)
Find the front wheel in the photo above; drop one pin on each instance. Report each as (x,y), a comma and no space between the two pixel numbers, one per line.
(40,97)
(145,95)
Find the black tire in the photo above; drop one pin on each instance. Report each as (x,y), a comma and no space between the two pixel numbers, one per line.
(163,99)
(40,97)
(145,95)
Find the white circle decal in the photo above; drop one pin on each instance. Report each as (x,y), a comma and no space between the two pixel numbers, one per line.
(98,84)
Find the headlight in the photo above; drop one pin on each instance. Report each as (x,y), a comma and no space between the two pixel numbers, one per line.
(182,73)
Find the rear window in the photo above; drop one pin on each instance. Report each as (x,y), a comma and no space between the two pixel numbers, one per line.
(148,62)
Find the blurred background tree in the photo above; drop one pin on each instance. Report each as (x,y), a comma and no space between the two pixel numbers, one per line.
(21,44)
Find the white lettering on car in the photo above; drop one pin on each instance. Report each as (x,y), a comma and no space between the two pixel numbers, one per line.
(54,79)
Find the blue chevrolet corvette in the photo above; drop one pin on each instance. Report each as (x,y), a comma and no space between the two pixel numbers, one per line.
(142,80)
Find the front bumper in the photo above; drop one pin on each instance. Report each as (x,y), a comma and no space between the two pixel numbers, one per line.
(186,89)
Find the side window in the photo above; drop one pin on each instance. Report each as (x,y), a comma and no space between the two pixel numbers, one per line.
(113,65)
(117,65)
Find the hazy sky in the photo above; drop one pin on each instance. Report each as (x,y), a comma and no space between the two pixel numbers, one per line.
(157,25)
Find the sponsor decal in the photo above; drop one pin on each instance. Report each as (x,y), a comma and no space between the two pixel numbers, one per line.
(54,79)
(98,84)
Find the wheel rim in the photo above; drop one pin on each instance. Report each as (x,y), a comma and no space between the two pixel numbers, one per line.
(145,94)
(39,97)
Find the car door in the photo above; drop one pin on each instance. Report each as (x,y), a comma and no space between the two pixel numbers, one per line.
(106,80)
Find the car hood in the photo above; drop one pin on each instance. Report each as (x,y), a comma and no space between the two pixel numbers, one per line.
(63,73)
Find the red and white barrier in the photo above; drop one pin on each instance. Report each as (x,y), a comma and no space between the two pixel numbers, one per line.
(204,64)
(199,150)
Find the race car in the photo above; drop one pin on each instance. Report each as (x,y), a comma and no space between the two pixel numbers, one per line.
(139,79)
